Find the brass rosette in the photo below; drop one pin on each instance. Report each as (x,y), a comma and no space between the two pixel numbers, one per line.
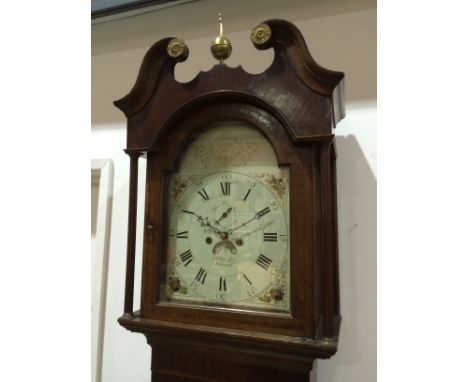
(261,36)
(177,50)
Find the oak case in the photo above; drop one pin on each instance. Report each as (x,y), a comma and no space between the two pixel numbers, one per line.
(203,343)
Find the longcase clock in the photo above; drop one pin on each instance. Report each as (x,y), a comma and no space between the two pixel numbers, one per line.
(240,255)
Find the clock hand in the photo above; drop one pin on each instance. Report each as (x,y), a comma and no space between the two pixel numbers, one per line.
(261,228)
(258,215)
(204,222)
(233,239)
(224,215)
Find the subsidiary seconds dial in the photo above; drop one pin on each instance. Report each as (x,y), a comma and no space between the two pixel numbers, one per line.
(228,239)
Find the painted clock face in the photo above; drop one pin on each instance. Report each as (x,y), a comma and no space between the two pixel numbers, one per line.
(228,223)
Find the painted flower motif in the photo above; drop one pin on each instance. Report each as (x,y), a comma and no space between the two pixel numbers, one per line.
(276,294)
(225,151)
(174,283)
(276,182)
(176,286)
(177,188)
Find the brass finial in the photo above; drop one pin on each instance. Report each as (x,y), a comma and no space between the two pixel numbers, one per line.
(221,47)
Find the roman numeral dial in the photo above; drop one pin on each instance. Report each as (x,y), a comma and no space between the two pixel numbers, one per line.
(225,188)
(182,235)
(201,276)
(228,240)
(203,194)
(186,257)
(222,284)
(270,236)
(263,261)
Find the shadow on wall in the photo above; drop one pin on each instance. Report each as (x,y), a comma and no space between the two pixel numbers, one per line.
(356,359)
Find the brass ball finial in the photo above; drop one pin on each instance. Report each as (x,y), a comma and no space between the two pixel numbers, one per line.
(221,47)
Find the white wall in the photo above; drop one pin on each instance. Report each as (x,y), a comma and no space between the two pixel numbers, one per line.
(341,36)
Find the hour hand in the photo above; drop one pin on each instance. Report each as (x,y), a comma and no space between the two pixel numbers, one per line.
(224,215)
(200,219)
(203,221)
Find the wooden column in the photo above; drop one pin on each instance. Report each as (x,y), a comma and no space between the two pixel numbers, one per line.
(336,267)
(327,196)
(132,214)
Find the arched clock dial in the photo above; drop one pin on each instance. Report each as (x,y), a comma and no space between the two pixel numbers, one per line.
(228,243)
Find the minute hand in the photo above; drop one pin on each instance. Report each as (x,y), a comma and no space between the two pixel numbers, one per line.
(258,215)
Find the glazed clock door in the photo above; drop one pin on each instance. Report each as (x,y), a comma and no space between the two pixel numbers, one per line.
(227,223)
